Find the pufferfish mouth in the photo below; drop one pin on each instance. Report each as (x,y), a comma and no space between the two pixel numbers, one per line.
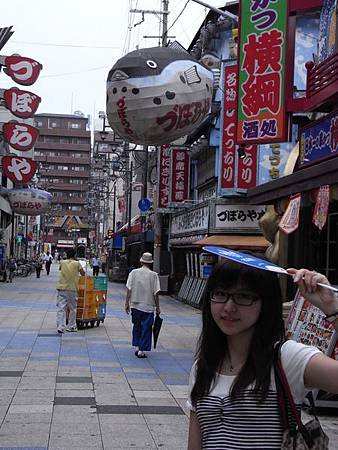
(119,75)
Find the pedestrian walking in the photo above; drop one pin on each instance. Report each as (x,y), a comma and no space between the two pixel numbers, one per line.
(143,286)
(232,392)
(103,263)
(48,262)
(38,265)
(67,291)
(11,268)
(96,263)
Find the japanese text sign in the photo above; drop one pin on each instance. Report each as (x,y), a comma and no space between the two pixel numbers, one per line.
(164,176)
(22,70)
(179,174)
(247,168)
(319,140)
(22,104)
(238,217)
(321,209)
(261,104)
(19,135)
(290,220)
(19,169)
(228,153)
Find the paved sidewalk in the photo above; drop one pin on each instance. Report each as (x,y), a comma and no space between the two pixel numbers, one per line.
(87,390)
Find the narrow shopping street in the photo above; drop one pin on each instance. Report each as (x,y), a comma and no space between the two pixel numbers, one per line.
(87,390)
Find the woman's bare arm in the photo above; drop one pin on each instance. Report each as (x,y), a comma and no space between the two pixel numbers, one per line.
(194,441)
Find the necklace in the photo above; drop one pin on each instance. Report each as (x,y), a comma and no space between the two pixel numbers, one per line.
(233,367)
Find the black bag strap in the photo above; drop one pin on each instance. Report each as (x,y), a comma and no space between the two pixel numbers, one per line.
(285,398)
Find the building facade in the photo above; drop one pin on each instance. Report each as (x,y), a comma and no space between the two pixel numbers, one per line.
(64,151)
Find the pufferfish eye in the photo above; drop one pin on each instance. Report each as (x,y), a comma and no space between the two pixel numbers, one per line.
(151,64)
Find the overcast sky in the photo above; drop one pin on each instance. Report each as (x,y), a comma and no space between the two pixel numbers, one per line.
(68,38)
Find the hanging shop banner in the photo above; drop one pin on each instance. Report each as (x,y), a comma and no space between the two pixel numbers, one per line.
(247,168)
(22,104)
(319,140)
(228,153)
(180,162)
(164,176)
(290,220)
(19,135)
(307,324)
(321,209)
(19,169)
(327,43)
(21,69)
(261,103)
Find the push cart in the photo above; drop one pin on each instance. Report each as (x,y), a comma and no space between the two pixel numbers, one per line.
(92,301)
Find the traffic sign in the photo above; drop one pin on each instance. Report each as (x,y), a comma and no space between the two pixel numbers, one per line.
(144,204)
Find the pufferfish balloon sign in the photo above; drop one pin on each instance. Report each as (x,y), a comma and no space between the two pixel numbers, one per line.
(157,95)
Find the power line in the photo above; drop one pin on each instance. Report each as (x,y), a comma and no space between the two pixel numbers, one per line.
(75,73)
(63,45)
(178,16)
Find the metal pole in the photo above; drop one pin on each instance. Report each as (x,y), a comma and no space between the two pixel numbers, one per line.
(12,236)
(114,207)
(165,23)
(26,236)
(130,194)
(218,11)
(145,186)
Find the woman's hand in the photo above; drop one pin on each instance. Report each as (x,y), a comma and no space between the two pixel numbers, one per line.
(307,280)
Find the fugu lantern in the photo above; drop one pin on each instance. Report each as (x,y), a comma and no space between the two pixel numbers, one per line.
(29,202)
(157,95)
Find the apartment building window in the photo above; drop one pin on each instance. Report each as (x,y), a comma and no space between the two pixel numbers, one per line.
(39,124)
(73,125)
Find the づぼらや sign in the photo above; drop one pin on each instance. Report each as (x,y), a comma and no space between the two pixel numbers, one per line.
(19,169)
(22,104)
(20,135)
(21,69)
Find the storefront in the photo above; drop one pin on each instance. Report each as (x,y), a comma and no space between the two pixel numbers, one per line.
(219,222)
(308,245)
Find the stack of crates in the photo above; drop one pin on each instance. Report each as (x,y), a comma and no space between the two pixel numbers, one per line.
(92,299)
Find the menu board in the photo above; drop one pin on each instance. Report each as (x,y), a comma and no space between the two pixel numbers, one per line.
(306,324)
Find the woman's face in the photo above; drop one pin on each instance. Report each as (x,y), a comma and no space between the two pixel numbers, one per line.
(235,319)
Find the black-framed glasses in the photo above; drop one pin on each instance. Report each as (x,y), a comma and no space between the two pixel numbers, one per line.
(239,298)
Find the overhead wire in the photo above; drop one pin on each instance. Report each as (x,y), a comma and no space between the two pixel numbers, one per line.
(186,4)
(46,44)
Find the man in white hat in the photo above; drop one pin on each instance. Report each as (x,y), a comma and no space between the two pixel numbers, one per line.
(143,286)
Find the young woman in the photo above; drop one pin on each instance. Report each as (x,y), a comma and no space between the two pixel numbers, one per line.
(232,396)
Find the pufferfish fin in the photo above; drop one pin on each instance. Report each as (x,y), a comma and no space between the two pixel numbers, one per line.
(119,75)
(191,75)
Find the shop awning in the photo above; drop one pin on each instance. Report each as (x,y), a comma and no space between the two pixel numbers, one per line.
(235,241)
(305,179)
(135,224)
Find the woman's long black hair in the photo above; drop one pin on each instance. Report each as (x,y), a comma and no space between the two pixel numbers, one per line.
(212,345)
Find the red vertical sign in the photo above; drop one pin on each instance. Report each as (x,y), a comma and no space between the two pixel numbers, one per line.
(229,128)
(164,176)
(247,168)
(179,175)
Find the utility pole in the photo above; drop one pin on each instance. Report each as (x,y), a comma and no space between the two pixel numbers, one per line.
(165,23)
(164,13)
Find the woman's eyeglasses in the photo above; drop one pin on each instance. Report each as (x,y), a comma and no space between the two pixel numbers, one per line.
(239,298)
